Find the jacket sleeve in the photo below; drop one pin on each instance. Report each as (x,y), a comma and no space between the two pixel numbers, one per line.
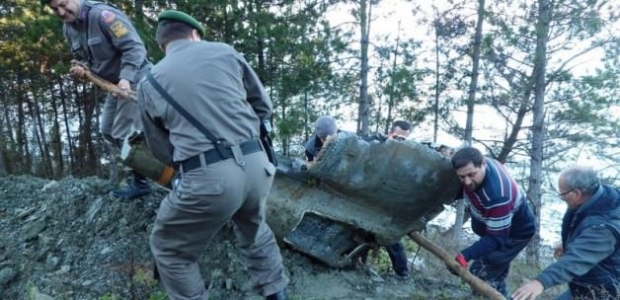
(256,94)
(588,249)
(124,37)
(486,244)
(156,134)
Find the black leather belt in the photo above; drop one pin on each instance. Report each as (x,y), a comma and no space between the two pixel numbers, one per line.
(212,156)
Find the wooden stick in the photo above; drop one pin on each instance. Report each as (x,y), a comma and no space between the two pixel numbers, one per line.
(104,84)
(475,282)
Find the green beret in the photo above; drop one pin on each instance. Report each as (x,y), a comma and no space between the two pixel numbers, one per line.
(45,2)
(179,16)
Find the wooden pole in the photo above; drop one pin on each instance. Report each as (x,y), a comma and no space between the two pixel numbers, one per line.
(106,85)
(475,282)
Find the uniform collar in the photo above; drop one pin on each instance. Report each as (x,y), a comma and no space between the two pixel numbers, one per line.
(83,14)
(84,8)
(178,45)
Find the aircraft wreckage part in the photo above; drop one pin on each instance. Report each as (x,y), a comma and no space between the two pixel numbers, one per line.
(335,243)
(139,158)
(358,193)
(407,181)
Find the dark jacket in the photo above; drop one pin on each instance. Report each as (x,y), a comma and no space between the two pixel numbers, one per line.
(313,146)
(591,239)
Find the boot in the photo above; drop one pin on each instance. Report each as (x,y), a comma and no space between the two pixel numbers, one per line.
(281,295)
(140,187)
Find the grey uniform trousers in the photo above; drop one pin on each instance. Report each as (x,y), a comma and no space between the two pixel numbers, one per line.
(201,203)
(117,118)
(119,115)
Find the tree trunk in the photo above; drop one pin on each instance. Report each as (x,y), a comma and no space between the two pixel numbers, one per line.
(22,138)
(4,132)
(138,7)
(41,138)
(473,85)
(538,128)
(364,105)
(391,100)
(262,71)
(65,111)
(58,165)
(34,164)
(437,81)
(10,146)
(3,148)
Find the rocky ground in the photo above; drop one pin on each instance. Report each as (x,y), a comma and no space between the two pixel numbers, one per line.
(69,239)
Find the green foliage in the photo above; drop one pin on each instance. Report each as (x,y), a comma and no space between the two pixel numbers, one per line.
(158,295)
(32,291)
(145,278)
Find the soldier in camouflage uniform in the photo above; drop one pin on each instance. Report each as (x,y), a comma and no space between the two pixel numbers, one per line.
(104,38)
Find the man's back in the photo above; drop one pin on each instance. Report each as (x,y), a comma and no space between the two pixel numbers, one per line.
(206,79)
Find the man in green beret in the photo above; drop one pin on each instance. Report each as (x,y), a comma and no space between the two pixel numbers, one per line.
(103,38)
(207,100)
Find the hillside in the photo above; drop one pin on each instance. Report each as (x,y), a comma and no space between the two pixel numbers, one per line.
(70,240)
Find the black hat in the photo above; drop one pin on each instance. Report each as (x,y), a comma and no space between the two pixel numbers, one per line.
(179,16)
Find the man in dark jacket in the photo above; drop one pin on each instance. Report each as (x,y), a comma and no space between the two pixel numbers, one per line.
(324,126)
(589,257)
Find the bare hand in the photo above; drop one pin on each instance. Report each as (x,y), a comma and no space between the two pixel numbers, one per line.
(124,88)
(528,291)
(78,71)
(558,252)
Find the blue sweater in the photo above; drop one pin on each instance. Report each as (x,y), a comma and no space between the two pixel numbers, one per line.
(499,211)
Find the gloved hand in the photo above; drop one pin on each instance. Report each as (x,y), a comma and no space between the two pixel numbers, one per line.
(461,260)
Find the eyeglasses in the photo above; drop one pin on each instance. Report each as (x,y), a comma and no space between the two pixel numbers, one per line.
(592,185)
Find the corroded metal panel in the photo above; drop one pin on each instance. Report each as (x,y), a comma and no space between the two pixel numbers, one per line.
(384,189)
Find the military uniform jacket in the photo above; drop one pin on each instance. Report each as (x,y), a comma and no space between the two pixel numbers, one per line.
(104,38)
(215,84)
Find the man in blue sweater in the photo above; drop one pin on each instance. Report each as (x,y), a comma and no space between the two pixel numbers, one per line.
(589,257)
(500,215)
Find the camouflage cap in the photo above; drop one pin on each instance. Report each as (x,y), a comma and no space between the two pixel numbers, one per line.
(179,16)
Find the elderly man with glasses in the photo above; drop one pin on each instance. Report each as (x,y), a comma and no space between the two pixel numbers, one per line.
(589,257)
